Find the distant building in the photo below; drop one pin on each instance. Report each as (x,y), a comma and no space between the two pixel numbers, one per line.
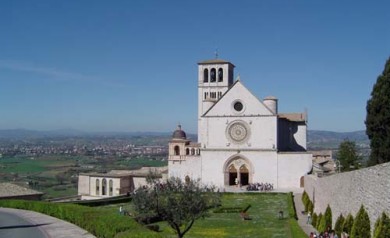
(241,139)
(323,163)
(114,183)
(14,191)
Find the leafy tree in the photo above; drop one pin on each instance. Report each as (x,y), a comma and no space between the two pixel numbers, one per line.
(328,217)
(61,178)
(382,227)
(347,155)
(320,219)
(361,225)
(174,201)
(338,227)
(378,118)
(348,223)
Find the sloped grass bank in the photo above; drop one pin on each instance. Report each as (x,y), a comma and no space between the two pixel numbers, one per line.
(101,223)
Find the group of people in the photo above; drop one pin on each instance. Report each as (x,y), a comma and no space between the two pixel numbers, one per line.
(326,234)
(260,187)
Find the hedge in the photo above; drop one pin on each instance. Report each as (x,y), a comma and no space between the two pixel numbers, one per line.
(102,224)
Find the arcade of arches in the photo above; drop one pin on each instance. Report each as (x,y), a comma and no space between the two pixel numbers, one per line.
(238,172)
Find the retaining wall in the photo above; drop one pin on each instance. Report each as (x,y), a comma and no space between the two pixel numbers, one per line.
(345,192)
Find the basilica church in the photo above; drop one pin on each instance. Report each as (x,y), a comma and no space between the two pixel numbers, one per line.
(241,138)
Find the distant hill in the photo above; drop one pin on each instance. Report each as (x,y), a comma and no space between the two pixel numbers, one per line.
(316,139)
(331,140)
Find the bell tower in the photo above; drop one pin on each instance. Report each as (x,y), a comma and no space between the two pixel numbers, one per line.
(214,78)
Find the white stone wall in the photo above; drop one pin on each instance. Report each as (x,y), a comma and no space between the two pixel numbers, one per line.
(190,167)
(345,192)
(139,182)
(83,185)
(291,167)
(263,133)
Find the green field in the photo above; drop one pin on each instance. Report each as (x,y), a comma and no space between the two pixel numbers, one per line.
(56,175)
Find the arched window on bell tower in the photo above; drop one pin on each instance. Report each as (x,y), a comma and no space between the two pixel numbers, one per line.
(213,75)
(205,76)
(177,150)
(220,75)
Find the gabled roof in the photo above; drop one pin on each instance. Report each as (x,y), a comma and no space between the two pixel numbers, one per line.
(238,91)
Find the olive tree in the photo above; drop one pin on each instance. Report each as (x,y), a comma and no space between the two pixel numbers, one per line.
(178,203)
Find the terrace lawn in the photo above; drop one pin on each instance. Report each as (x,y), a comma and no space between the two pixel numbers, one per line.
(264,213)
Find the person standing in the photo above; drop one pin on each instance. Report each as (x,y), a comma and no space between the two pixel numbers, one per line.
(308,218)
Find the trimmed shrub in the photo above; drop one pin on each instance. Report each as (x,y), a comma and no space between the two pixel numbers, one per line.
(305,201)
(291,206)
(314,219)
(348,223)
(321,223)
(338,227)
(382,227)
(361,225)
(310,207)
(319,218)
(328,217)
(98,222)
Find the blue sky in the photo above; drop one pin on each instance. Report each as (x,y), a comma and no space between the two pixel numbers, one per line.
(132,65)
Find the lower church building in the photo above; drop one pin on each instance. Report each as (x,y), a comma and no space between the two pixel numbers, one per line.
(241,139)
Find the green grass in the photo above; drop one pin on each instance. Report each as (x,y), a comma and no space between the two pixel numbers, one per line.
(264,213)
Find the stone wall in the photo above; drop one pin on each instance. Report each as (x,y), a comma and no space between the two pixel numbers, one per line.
(345,192)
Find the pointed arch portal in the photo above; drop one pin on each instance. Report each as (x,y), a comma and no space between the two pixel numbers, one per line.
(238,171)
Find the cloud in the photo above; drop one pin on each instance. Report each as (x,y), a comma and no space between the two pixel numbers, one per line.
(49,72)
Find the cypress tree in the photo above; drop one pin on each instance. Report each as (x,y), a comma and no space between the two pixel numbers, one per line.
(319,218)
(338,227)
(378,118)
(348,223)
(328,217)
(310,207)
(382,227)
(361,225)
(322,223)
(314,220)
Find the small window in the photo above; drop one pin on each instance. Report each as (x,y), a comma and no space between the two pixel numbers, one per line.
(177,150)
(97,186)
(220,75)
(110,187)
(192,151)
(205,75)
(213,75)
(104,187)
(187,151)
(238,106)
(187,179)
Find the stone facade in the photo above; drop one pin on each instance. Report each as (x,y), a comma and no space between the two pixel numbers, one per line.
(114,183)
(241,139)
(346,192)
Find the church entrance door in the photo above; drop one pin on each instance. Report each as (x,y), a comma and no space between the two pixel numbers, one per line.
(237,172)
(232,175)
(244,175)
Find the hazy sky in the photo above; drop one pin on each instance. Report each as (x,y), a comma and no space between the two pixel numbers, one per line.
(132,65)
